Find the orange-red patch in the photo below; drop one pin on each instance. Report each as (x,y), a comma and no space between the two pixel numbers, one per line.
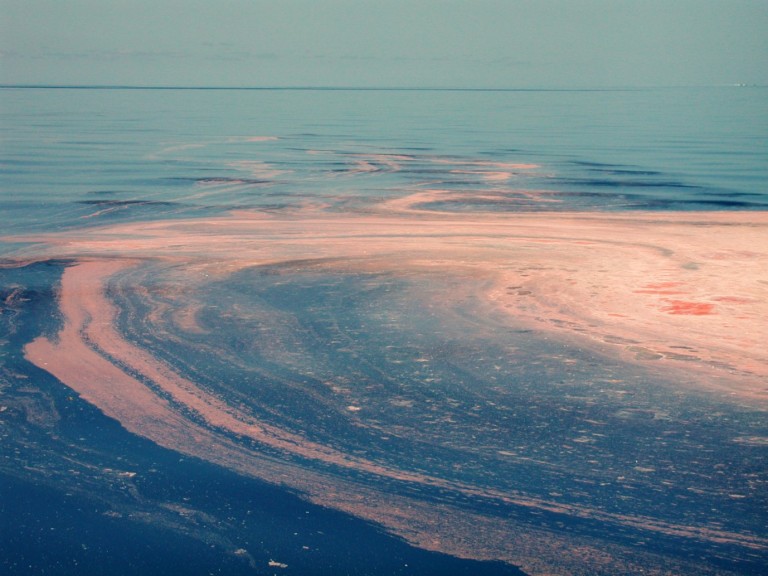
(689,308)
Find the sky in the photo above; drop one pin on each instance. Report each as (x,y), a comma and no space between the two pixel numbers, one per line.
(384,43)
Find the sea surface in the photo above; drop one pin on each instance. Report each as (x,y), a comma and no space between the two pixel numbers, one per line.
(246,332)
(69,153)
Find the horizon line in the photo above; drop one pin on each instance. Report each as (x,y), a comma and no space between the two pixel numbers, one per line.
(363,88)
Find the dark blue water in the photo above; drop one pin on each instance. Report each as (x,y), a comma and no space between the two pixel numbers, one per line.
(70,505)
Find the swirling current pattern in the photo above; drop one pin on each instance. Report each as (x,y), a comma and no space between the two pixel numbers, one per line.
(441,346)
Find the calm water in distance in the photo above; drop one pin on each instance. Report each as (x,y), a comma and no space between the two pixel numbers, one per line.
(64,151)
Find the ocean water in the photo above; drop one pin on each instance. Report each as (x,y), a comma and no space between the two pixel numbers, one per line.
(252,331)
(69,154)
